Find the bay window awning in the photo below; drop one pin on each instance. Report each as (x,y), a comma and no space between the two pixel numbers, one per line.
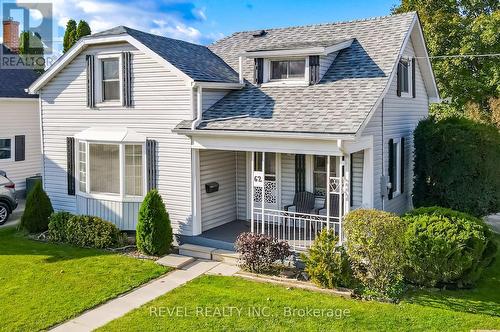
(110,134)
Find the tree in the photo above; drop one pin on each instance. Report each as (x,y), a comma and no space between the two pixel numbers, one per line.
(31,50)
(154,232)
(37,211)
(462,27)
(82,30)
(69,35)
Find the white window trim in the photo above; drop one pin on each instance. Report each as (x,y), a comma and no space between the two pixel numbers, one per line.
(98,80)
(12,149)
(122,197)
(410,80)
(268,82)
(397,170)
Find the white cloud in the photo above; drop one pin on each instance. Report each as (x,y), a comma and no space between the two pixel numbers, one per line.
(137,14)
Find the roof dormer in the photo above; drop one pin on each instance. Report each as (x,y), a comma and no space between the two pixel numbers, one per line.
(294,64)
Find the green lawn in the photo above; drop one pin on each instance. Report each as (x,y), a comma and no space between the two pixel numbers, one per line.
(484,298)
(42,284)
(213,292)
(462,310)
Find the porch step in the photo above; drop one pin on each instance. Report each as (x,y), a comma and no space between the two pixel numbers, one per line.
(194,250)
(227,256)
(175,261)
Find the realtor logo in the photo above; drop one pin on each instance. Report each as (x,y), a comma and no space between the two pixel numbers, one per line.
(27,35)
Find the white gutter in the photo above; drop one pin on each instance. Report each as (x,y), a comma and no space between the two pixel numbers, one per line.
(199,108)
(267,134)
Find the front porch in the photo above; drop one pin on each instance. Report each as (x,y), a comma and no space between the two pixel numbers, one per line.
(289,196)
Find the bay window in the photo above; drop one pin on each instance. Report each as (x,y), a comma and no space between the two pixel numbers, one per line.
(115,169)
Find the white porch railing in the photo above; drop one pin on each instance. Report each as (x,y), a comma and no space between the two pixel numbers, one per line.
(298,229)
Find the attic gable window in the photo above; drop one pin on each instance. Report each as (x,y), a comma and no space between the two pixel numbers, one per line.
(110,79)
(288,69)
(405,79)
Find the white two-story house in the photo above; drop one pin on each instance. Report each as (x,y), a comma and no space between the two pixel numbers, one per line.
(276,131)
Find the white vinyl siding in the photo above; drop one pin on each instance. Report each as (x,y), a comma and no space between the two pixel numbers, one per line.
(161,100)
(21,118)
(219,207)
(287,178)
(325,62)
(210,97)
(241,183)
(357,179)
(400,117)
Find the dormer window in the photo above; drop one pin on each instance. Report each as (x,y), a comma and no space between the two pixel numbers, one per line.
(288,69)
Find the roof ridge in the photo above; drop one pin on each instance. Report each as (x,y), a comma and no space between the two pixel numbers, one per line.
(319,24)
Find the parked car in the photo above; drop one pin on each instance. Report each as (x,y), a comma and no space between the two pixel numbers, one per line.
(8,201)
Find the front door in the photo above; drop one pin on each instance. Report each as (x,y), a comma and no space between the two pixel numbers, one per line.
(269,177)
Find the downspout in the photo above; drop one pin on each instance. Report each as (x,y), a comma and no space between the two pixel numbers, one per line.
(199,109)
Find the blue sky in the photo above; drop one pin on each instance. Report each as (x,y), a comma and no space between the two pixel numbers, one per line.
(203,21)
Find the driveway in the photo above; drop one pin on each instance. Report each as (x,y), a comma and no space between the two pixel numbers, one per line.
(15,217)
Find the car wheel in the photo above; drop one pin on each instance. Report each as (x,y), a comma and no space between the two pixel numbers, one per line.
(4,213)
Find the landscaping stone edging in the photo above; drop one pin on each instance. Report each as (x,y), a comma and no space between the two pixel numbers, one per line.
(292,283)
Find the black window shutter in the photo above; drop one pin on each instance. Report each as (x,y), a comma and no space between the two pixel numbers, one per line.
(398,80)
(300,173)
(151,164)
(259,70)
(20,146)
(127,79)
(314,69)
(413,77)
(90,81)
(70,160)
(391,167)
(402,164)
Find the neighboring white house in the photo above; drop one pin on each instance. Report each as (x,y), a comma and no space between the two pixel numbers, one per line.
(20,155)
(233,134)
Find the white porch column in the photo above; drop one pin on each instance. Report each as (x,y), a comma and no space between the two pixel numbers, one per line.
(347,183)
(196,192)
(252,193)
(328,192)
(263,201)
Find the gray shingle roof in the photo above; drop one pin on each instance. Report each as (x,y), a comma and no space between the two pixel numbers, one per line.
(339,104)
(14,81)
(295,45)
(196,61)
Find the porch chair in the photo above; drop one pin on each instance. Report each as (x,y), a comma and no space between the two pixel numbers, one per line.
(334,207)
(303,202)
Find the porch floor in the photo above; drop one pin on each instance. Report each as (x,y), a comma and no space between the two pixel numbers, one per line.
(227,232)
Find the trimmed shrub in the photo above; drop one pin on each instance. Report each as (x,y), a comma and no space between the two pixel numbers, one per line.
(327,263)
(259,253)
(38,209)
(456,165)
(154,232)
(443,246)
(90,231)
(375,248)
(58,223)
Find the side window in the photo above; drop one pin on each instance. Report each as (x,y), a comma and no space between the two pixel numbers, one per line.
(404,78)
(5,148)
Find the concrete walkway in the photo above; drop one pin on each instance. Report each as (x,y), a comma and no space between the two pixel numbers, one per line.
(105,313)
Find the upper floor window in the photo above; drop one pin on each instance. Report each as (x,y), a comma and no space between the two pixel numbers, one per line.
(5,148)
(110,79)
(288,69)
(404,80)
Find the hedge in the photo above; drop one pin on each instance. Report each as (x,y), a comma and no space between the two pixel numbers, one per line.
(444,247)
(37,211)
(154,234)
(457,165)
